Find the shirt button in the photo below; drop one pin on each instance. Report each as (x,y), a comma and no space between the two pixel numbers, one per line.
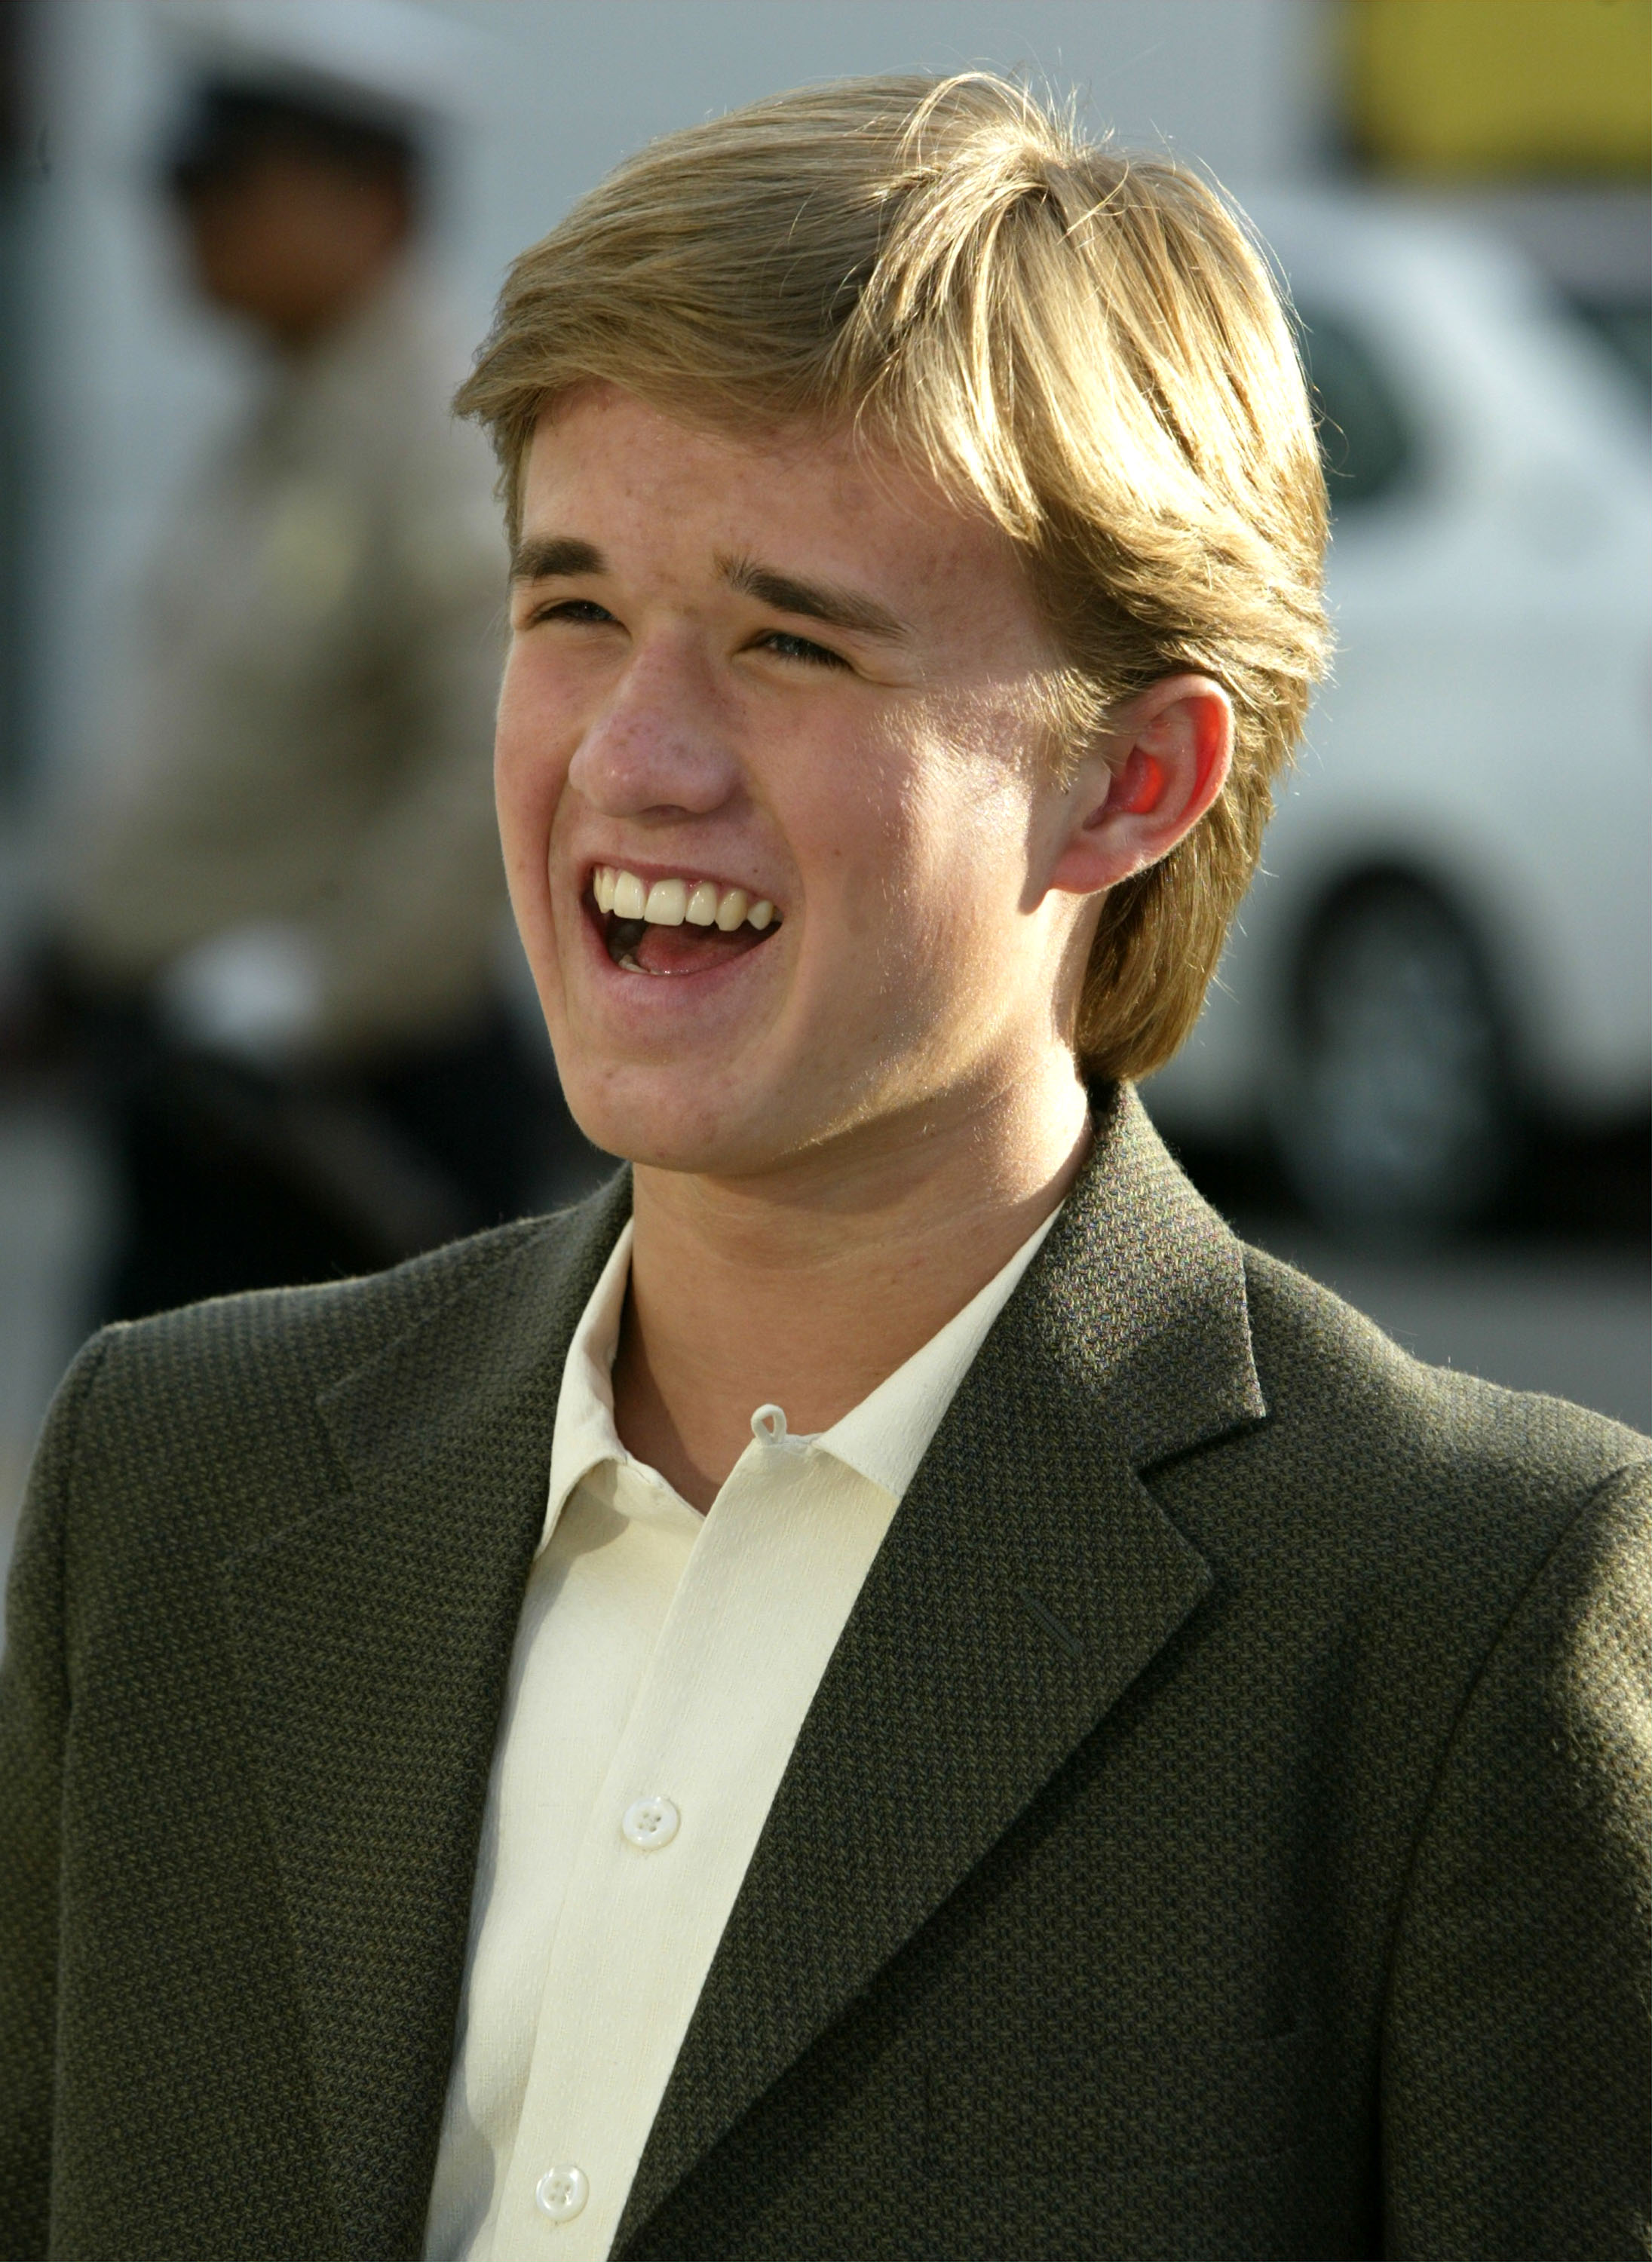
(650,1823)
(561,2192)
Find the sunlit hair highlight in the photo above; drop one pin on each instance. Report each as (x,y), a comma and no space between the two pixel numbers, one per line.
(1083,345)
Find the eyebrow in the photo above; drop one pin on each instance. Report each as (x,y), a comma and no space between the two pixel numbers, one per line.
(547,557)
(552,557)
(815,600)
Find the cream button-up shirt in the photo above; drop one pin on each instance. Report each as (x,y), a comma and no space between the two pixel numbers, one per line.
(663,1665)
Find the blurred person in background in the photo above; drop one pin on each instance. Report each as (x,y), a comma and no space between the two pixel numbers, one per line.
(280,933)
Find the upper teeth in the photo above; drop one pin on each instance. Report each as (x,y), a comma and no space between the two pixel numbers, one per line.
(668,903)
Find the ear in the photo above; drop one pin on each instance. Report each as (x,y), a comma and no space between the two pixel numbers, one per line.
(1164,760)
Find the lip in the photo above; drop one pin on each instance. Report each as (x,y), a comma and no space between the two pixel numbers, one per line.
(721,991)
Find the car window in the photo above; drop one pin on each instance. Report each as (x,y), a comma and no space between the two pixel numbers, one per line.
(1363,439)
(1625,325)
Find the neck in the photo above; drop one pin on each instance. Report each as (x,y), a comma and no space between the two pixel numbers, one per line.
(810,1284)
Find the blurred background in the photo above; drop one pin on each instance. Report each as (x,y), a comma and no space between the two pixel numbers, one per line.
(260,1016)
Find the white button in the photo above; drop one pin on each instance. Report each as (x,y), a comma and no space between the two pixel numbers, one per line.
(650,1823)
(561,2192)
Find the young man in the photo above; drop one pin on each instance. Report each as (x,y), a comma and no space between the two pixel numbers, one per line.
(1022,1727)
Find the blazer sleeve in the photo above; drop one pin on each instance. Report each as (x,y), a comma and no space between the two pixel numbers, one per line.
(1517,2116)
(33,1726)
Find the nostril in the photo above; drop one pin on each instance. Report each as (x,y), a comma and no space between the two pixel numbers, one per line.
(644,760)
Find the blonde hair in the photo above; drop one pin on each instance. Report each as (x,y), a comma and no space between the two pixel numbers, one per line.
(1083,343)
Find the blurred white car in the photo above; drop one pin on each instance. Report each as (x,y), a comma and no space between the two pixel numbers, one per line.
(1453,935)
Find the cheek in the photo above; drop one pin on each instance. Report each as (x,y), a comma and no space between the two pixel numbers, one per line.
(530,764)
(967,849)
(924,849)
(858,834)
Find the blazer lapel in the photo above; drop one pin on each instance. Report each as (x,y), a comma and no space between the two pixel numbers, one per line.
(372,1638)
(1026,1581)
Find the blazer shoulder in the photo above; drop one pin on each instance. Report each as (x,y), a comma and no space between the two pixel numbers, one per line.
(1408,1506)
(260,1347)
(1342,1392)
(215,1425)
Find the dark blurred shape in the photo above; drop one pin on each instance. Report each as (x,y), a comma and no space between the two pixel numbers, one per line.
(1397,1114)
(15,27)
(277,956)
(1368,446)
(1624,324)
(1576,1193)
(228,129)
(235,1179)
(293,209)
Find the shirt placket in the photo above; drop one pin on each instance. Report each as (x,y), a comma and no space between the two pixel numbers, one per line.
(661,1860)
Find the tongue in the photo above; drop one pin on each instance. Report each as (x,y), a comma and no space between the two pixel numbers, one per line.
(688,949)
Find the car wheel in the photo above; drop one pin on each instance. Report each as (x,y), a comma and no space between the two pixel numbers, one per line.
(1396,1114)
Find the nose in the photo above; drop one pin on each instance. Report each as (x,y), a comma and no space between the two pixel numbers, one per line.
(659,746)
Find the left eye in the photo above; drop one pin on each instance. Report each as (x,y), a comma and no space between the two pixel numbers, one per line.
(796,647)
(581,610)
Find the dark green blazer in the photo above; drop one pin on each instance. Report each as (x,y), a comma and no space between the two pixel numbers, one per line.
(1224,1828)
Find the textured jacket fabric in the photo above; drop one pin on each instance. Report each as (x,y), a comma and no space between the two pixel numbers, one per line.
(1224,1828)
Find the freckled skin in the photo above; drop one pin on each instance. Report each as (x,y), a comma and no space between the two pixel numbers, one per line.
(841,1133)
(884,803)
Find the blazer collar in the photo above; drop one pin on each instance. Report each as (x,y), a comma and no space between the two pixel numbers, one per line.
(391,1609)
(1026,1581)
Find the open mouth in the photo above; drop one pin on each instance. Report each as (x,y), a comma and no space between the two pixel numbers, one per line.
(677,925)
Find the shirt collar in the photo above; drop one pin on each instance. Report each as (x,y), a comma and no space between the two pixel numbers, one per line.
(585,1436)
(883,1439)
(886,1435)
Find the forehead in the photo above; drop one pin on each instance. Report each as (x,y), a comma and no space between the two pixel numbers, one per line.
(657,494)
(599,438)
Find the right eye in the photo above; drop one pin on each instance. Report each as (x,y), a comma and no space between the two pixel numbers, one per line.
(583,611)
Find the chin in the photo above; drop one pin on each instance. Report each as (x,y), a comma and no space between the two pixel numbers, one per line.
(667,1121)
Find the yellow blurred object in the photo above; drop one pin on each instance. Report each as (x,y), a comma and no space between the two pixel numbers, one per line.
(1501,89)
